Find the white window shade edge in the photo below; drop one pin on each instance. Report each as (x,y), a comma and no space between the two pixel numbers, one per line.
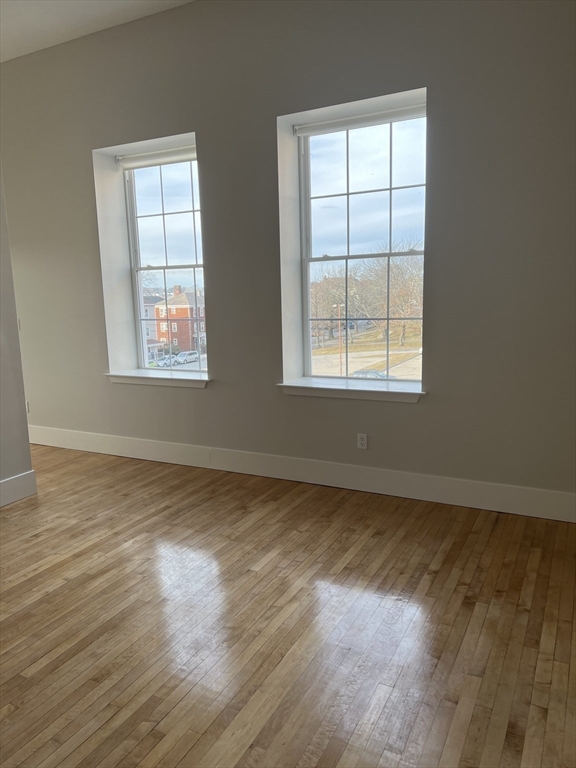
(162,157)
(361,121)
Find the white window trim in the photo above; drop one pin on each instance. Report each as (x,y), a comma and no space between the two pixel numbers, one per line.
(290,127)
(115,257)
(154,376)
(354,389)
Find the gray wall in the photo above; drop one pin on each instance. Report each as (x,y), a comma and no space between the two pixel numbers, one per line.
(499,301)
(14,447)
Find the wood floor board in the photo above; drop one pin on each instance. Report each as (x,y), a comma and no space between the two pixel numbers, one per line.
(160,616)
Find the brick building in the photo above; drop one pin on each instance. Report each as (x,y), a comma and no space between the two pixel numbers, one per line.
(180,321)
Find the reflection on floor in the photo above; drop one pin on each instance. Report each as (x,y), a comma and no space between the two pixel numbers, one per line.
(159,615)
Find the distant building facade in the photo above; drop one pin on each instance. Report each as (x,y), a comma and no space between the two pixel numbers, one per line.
(180,321)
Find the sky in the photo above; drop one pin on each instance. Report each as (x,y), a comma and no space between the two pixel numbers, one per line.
(176,186)
(370,229)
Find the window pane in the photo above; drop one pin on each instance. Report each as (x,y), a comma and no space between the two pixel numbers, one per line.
(329,230)
(369,222)
(199,275)
(195,185)
(180,238)
(153,347)
(151,241)
(409,152)
(406,349)
(151,293)
(328,164)
(177,187)
(327,289)
(408,219)
(369,158)
(148,191)
(199,251)
(184,340)
(174,348)
(367,284)
(367,349)
(328,347)
(203,346)
(180,291)
(406,283)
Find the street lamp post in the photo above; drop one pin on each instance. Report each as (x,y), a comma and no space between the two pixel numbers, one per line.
(339,334)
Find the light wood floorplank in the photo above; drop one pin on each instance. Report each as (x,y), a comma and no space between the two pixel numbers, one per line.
(162,616)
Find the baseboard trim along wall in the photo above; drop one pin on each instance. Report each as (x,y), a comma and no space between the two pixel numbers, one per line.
(17,487)
(536,502)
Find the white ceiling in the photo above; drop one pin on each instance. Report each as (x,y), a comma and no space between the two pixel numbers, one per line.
(30,25)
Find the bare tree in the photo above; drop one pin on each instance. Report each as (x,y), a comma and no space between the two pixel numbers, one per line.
(379,287)
(148,281)
(327,295)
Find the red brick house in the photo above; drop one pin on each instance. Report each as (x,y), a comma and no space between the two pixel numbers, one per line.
(181,321)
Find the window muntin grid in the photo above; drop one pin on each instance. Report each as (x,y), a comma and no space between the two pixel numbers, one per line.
(163,204)
(371,184)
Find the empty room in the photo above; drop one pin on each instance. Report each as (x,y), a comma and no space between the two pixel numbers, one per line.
(287,384)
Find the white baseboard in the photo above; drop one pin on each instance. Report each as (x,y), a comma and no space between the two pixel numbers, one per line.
(536,502)
(17,487)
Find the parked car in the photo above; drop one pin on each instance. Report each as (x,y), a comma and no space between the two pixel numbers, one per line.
(370,373)
(187,357)
(166,361)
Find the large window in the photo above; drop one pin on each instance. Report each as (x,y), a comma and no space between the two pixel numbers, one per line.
(163,208)
(362,218)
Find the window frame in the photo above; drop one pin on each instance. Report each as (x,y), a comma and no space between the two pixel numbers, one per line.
(304,172)
(136,267)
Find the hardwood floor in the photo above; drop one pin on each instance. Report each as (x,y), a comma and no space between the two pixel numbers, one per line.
(158,615)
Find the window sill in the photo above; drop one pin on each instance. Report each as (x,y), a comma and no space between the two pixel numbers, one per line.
(160,378)
(355,389)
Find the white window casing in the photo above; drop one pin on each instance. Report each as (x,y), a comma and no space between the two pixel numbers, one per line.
(293,133)
(161,157)
(124,329)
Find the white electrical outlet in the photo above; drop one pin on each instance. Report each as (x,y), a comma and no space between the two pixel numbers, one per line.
(362,441)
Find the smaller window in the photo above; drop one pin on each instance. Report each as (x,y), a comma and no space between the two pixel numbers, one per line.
(150,191)
(174,341)
(202,327)
(174,326)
